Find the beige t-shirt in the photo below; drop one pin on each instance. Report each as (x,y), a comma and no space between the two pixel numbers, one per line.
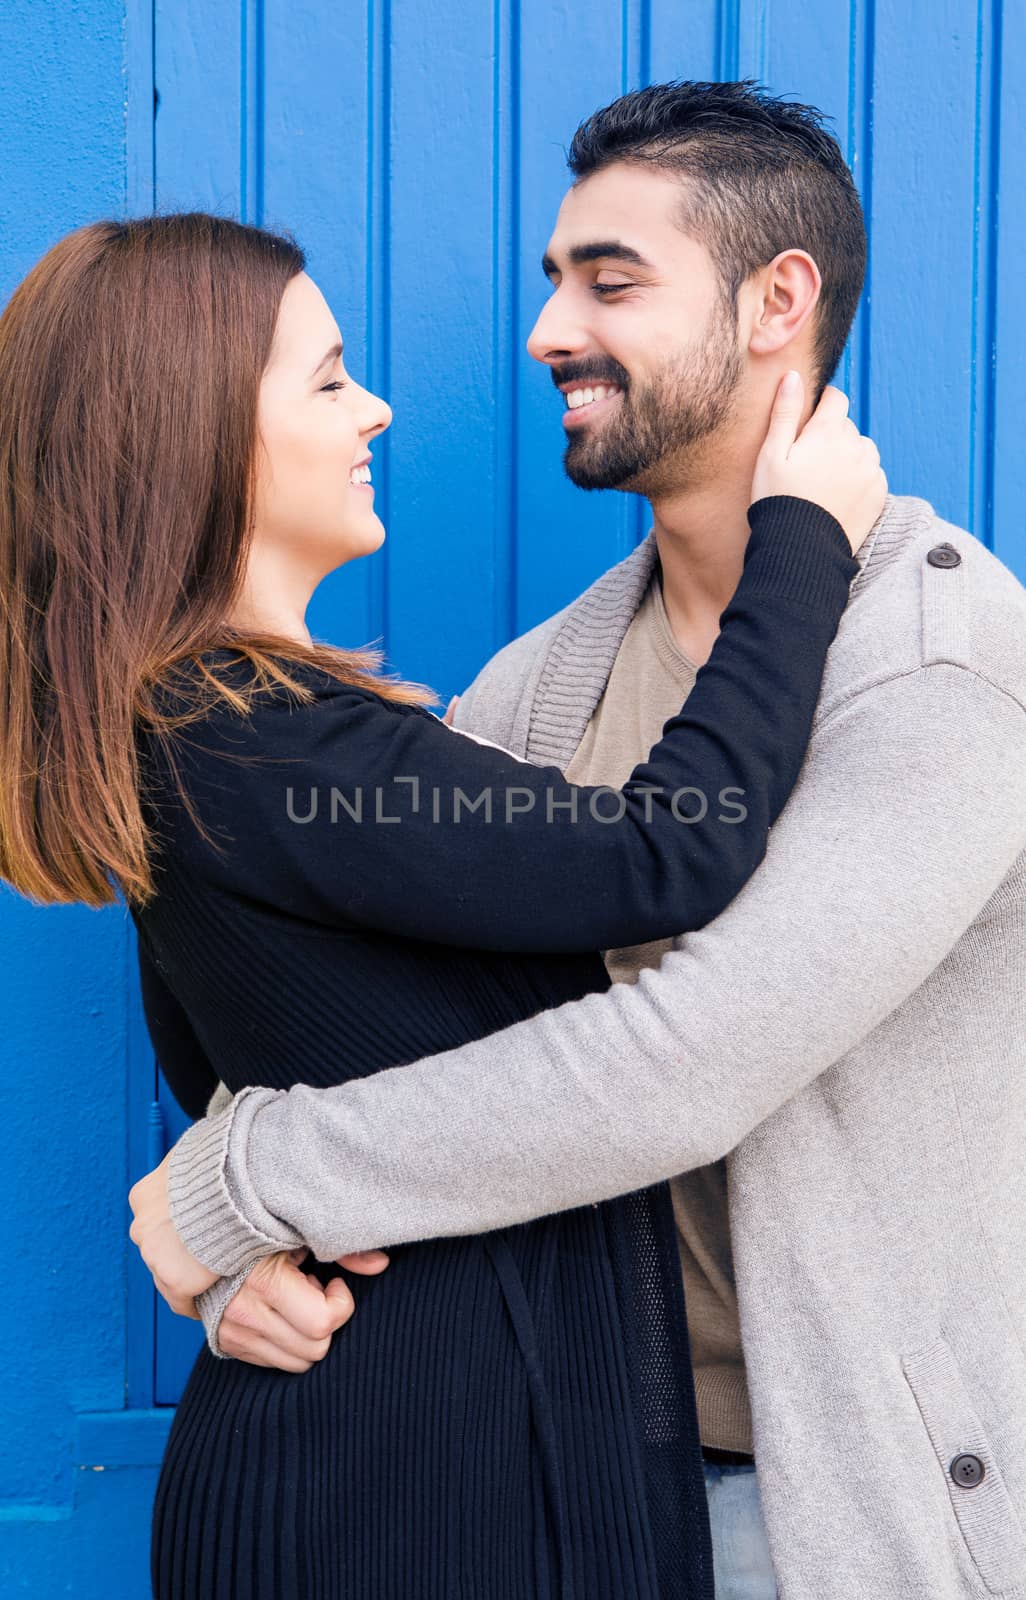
(650,680)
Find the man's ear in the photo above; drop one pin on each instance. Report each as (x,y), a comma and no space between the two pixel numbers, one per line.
(782,299)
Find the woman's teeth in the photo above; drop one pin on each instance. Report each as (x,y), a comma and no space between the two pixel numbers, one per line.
(585,397)
(360,475)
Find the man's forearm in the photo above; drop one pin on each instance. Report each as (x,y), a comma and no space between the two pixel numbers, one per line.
(618,1090)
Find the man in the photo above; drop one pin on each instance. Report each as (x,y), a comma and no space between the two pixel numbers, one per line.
(831,1073)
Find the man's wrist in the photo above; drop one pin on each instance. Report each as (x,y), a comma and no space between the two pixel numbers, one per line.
(203,1200)
(213,1303)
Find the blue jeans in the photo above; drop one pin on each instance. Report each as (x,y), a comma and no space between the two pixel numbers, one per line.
(741,1558)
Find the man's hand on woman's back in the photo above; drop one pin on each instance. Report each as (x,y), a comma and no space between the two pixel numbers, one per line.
(283,1318)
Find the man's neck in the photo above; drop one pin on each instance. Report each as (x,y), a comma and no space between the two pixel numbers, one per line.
(701,539)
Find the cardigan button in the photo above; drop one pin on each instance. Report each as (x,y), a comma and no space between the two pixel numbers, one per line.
(967,1471)
(944,555)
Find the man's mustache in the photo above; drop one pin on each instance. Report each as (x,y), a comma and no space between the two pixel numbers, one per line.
(586,379)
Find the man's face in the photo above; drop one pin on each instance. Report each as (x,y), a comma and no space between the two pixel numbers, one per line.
(636,307)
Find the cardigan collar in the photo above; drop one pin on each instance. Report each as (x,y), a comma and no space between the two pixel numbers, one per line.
(581,656)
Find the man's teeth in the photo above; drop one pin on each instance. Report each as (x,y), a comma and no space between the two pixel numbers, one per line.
(584,397)
(360,475)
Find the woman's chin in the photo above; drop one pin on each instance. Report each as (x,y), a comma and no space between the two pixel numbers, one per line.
(375,536)
(362,540)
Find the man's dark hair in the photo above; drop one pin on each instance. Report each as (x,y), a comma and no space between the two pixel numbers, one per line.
(763,174)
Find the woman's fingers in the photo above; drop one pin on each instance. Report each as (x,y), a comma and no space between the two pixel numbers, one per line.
(785,415)
(832,409)
(828,462)
(364,1261)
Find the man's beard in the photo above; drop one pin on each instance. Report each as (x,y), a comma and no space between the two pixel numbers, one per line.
(645,443)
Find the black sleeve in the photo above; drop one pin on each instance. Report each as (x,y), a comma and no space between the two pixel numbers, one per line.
(180,1056)
(380,816)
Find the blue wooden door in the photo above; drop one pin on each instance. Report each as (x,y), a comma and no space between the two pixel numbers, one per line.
(416,149)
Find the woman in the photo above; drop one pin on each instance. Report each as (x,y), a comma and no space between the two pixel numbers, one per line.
(185,459)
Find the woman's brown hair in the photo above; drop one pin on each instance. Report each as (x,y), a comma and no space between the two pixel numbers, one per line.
(130,365)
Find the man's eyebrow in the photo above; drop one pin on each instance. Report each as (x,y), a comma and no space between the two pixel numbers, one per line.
(329,355)
(601,250)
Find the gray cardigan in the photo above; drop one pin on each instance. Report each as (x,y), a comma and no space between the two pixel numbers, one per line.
(850,1033)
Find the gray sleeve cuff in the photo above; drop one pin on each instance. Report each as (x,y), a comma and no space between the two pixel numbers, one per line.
(221,1222)
(211,1305)
(220,1098)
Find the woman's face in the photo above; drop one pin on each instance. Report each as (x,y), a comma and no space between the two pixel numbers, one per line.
(313,511)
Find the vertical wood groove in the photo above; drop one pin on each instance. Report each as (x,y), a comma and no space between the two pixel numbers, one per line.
(251,104)
(505,312)
(986,167)
(379,297)
(728,32)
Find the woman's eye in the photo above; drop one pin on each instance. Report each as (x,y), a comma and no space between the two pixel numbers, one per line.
(329,388)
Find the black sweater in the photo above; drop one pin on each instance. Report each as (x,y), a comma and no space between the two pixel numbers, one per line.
(356,813)
(316,951)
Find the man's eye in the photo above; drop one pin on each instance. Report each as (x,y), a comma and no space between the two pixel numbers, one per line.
(611,288)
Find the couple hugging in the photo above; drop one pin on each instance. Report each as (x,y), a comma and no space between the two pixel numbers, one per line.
(660,1091)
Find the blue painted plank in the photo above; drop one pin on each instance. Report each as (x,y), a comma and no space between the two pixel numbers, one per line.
(1008,406)
(63,1181)
(131,1438)
(684,40)
(62,1050)
(140,118)
(923,213)
(571,63)
(198,56)
(321,182)
(441,510)
(824,67)
(141,1103)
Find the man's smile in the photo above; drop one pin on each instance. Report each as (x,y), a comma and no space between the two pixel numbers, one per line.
(587,400)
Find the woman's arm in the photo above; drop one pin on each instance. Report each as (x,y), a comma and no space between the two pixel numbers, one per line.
(384,818)
(908,817)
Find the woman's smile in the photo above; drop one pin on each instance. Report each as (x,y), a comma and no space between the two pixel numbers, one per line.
(360,477)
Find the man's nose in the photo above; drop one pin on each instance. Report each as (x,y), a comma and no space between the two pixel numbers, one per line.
(556,335)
